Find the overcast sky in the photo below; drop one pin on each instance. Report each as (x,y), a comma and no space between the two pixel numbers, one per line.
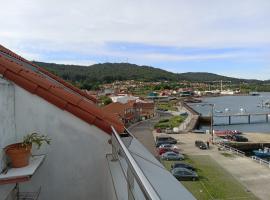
(229,37)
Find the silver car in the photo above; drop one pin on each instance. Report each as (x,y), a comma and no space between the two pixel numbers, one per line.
(170,155)
(183,174)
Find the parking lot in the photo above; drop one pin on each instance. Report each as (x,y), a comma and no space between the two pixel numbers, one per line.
(253,177)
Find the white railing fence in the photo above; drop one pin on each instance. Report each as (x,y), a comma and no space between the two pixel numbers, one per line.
(241,153)
(135,175)
(261,161)
(231,149)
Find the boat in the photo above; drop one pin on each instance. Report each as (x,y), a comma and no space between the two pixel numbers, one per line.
(218,111)
(265,153)
(242,110)
(227,132)
(254,93)
(199,131)
(227,109)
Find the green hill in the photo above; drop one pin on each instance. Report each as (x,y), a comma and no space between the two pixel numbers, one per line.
(204,76)
(109,72)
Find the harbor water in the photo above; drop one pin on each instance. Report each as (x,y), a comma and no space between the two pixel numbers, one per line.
(233,105)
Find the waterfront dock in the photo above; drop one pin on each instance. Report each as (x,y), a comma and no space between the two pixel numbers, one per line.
(246,118)
(255,141)
(193,120)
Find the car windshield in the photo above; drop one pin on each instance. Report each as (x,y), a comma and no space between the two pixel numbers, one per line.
(163,138)
(180,165)
(180,172)
(167,145)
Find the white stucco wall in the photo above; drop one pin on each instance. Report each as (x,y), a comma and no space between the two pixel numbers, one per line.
(75,165)
(7,125)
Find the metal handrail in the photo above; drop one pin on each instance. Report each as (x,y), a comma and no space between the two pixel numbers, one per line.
(232,149)
(144,184)
(261,161)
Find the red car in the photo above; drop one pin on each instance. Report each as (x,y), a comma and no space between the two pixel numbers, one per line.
(164,150)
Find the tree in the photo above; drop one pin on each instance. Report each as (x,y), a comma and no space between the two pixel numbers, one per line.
(105,100)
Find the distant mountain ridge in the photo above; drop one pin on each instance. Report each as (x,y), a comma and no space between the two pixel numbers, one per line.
(108,72)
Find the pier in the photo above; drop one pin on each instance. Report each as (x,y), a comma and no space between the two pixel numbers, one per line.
(245,118)
(193,124)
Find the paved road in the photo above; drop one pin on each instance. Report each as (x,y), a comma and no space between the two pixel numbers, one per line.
(143,132)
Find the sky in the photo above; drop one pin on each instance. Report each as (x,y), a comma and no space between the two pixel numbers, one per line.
(228,37)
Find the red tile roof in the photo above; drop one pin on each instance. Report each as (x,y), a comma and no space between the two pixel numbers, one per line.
(115,108)
(119,108)
(68,85)
(55,90)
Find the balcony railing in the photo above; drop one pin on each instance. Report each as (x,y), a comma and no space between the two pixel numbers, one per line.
(135,175)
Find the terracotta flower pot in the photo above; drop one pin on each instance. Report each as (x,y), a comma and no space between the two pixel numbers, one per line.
(18,154)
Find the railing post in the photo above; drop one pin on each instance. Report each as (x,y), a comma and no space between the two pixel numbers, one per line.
(135,171)
(130,184)
(115,149)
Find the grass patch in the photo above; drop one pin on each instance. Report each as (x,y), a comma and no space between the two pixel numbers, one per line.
(214,182)
(174,121)
(171,105)
(228,155)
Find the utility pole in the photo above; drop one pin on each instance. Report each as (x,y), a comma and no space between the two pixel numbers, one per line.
(212,122)
(221,86)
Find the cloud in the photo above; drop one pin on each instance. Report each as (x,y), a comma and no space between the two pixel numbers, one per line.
(89,28)
(172,22)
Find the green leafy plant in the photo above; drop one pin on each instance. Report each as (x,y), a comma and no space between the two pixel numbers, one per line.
(35,138)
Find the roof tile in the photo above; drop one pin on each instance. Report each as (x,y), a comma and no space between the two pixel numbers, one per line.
(51,98)
(90,107)
(65,96)
(68,96)
(37,79)
(14,67)
(2,69)
(60,80)
(21,81)
(80,113)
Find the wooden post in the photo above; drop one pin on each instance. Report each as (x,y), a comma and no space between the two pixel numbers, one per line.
(249,118)
(230,119)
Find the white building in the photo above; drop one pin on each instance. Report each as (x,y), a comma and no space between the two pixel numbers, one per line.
(81,162)
(123,98)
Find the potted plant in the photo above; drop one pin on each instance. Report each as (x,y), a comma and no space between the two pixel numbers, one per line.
(19,153)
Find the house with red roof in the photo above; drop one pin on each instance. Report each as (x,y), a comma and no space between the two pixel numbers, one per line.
(91,155)
(126,112)
(146,109)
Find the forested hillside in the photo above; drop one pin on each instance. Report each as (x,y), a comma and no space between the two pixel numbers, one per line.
(91,76)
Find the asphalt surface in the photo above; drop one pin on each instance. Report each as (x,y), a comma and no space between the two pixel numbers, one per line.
(143,132)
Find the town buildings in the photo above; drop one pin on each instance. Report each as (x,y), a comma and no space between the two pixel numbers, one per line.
(131,111)
(91,155)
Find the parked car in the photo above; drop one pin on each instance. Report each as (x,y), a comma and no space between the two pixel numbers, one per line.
(183,174)
(239,138)
(165,140)
(164,150)
(184,114)
(170,155)
(200,144)
(169,146)
(158,130)
(169,131)
(182,165)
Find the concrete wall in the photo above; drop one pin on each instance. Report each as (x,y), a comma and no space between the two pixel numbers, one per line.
(7,126)
(75,165)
